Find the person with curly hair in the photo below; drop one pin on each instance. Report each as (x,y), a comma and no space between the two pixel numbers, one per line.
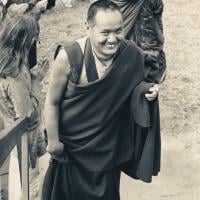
(17,97)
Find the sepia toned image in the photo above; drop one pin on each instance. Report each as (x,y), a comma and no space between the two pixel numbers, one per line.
(99,100)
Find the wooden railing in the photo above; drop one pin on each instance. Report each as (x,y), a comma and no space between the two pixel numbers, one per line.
(9,138)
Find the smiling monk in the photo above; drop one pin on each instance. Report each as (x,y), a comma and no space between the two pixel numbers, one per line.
(93,125)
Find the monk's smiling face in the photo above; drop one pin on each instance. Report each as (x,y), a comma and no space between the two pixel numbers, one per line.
(106,33)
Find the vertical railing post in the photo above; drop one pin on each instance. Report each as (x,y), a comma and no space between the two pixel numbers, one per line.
(25,167)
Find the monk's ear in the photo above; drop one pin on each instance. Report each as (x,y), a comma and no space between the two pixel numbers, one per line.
(87,26)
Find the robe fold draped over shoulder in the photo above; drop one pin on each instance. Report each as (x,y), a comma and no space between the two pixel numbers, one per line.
(95,120)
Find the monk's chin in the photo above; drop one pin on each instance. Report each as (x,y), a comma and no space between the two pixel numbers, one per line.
(110,51)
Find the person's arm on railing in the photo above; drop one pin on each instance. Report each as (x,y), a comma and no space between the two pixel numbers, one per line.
(58,83)
(20,98)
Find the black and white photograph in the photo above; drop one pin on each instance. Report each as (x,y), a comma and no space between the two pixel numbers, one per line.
(99,100)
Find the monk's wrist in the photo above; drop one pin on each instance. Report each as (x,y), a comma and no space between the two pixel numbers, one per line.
(55,148)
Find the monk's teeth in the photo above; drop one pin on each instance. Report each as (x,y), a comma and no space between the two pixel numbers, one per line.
(110,45)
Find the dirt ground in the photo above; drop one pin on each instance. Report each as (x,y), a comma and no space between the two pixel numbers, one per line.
(179,96)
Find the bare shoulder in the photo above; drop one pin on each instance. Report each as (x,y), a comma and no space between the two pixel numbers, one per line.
(60,65)
(62,57)
(62,54)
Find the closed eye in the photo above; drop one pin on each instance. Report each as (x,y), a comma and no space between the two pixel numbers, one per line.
(105,33)
(118,31)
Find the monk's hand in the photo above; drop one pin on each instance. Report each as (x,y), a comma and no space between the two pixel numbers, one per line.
(55,149)
(153,92)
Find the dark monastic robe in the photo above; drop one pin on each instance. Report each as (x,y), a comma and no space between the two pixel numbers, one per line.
(98,128)
(92,117)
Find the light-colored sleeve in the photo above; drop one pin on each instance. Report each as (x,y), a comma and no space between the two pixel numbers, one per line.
(20,97)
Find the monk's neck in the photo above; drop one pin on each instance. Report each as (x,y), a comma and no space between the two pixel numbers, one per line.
(103,59)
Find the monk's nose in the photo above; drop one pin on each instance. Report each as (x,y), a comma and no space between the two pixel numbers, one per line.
(112,38)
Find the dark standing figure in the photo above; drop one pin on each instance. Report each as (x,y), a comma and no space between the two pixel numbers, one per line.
(143,24)
(100,115)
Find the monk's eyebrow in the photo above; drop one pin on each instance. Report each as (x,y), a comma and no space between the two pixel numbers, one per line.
(111,30)
(119,29)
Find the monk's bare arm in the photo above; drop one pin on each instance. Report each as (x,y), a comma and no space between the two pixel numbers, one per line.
(58,82)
